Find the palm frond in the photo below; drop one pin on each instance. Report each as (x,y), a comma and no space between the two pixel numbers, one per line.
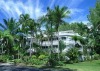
(5,22)
(1,25)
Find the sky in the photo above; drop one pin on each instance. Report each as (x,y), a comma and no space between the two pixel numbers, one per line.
(36,8)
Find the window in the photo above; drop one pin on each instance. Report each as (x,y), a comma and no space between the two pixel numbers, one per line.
(55,38)
(63,38)
(55,46)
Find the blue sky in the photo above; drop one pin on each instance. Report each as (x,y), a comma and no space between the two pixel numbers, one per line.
(36,8)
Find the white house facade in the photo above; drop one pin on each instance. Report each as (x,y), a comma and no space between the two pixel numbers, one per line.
(65,36)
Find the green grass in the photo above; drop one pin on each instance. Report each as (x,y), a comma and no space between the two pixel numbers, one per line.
(85,66)
(82,66)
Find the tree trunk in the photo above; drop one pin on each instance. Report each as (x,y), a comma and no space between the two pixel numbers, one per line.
(49,48)
(30,47)
(58,45)
(18,54)
(51,40)
(2,51)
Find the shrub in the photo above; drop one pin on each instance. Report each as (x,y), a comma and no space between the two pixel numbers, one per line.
(26,59)
(4,58)
(33,60)
(73,54)
(17,61)
(96,56)
(60,63)
(42,57)
(52,60)
(33,57)
(62,57)
(87,58)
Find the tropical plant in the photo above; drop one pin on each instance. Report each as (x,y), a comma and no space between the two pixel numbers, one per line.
(62,46)
(73,54)
(10,25)
(7,41)
(59,14)
(94,18)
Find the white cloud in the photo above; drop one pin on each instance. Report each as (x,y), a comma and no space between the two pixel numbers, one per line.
(52,3)
(75,11)
(74,3)
(14,9)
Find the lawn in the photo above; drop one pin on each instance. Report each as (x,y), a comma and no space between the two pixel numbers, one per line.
(82,66)
(85,66)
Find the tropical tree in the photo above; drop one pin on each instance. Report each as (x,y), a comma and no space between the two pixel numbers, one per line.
(10,25)
(9,29)
(1,45)
(7,40)
(24,20)
(59,14)
(48,23)
(94,18)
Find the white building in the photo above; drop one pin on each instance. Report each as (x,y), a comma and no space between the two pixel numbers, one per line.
(65,36)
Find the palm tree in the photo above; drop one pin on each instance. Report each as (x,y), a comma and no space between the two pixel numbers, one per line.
(59,14)
(7,41)
(1,45)
(24,20)
(33,28)
(49,25)
(94,19)
(48,22)
(75,38)
(9,29)
(10,25)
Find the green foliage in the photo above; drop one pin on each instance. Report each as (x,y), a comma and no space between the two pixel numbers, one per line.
(53,60)
(42,57)
(53,21)
(62,56)
(94,18)
(33,57)
(64,27)
(62,46)
(73,54)
(17,61)
(96,56)
(33,60)
(4,58)
(87,58)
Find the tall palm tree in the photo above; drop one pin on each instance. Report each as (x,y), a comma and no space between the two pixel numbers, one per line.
(48,22)
(33,26)
(24,21)
(59,14)
(24,28)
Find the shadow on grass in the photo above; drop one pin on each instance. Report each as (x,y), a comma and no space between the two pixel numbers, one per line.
(15,68)
(45,68)
(98,63)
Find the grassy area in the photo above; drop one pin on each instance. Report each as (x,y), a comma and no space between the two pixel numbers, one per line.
(82,66)
(85,66)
